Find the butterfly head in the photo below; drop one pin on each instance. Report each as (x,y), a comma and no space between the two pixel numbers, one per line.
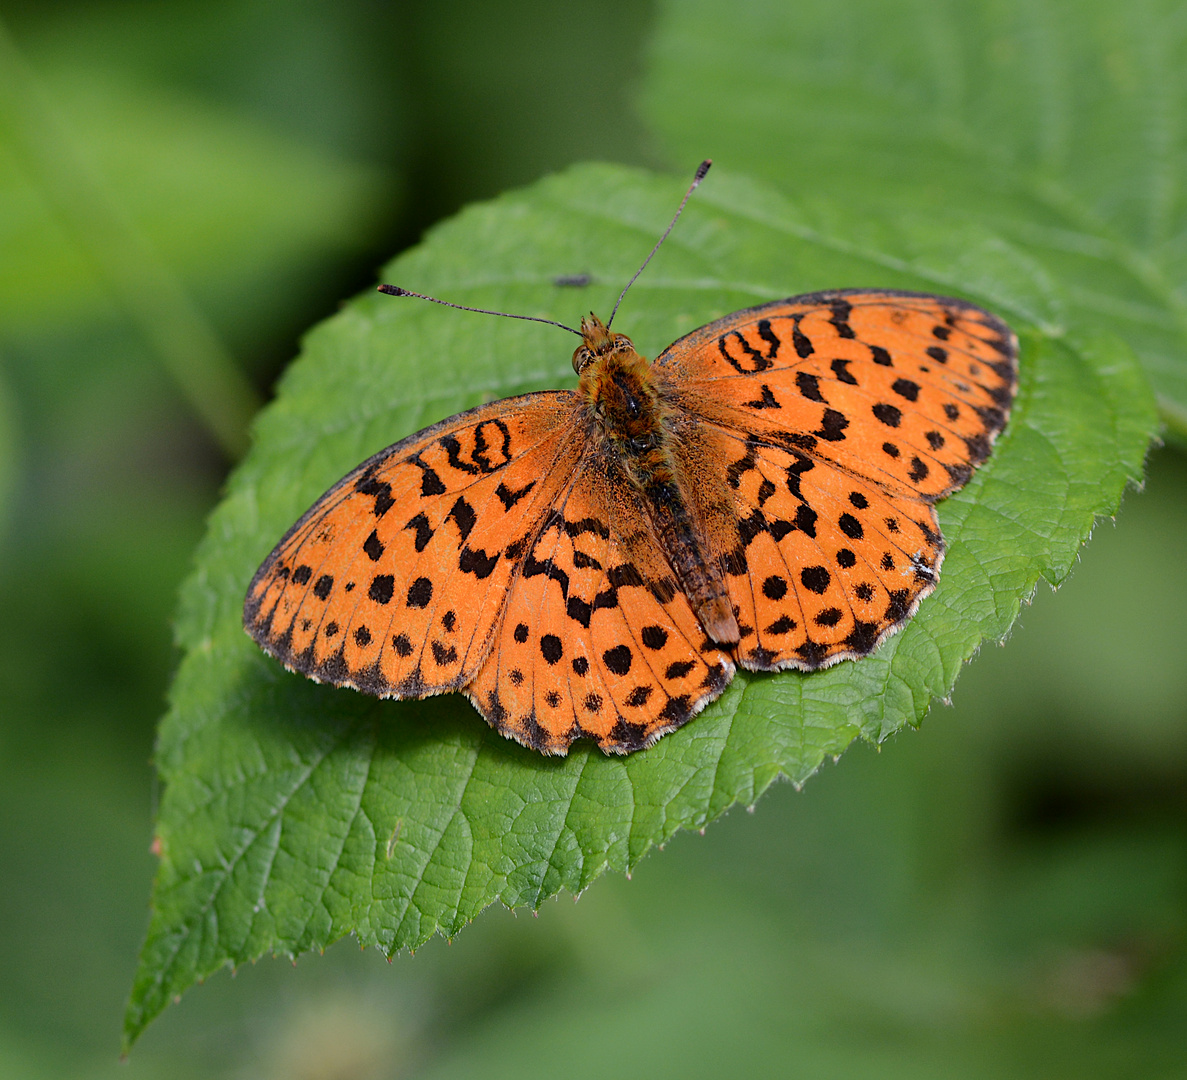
(597,341)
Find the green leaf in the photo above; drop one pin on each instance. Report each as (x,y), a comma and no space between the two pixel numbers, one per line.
(1059,125)
(254,200)
(294,813)
(9,453)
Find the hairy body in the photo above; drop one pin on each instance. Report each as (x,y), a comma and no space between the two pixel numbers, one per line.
(633,423)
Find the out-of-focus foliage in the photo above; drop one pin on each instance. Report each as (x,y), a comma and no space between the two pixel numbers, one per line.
(999,895)
(9,442)
(1057,124)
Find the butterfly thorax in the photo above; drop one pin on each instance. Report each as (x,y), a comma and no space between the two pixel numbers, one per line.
(630,420)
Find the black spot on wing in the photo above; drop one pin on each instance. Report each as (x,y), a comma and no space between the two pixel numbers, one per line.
(628,736)
(782,625)
(534,567)
(380,490)
(430,482)
(373,547)
(551,649)
(509,497)
(850,526)
(444,655)
(815,579)
(774,587)
(805,520)
(677,710)
(639,696)
(803,344)
(420,592)
(579,610)
(809,387)
(862,637)
(654,637)
(618,659)
(476,561)
(812,653)
(840,369)
(424,532)
(463,516)
(382,587)
(832,426)
(841,310)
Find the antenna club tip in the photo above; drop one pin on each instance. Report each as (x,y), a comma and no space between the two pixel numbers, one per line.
(392,290)
(703,168)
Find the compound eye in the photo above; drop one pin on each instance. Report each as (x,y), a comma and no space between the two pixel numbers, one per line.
(581,358)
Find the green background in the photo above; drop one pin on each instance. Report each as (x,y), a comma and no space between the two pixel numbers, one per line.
(1002,893)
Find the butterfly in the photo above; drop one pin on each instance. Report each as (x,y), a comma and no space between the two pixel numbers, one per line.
(596,563)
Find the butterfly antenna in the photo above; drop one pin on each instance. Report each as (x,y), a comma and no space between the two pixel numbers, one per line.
(395,290)
(702,168)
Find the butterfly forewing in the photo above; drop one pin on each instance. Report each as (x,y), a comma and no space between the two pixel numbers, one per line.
(395,580)
(904,389)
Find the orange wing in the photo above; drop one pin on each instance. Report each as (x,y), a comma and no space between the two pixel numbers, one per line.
(597,640)
(820,430)
(823,565)
(394,582)
(905,389)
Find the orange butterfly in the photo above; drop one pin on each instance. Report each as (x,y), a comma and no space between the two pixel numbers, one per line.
(595,563)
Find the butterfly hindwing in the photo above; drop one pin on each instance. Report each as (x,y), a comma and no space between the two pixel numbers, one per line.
(597,640)
(821,565)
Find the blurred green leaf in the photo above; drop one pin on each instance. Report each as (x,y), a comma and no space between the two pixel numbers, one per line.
(222,199)
(1058,125)
(96,200)
(294,813)
(9,449)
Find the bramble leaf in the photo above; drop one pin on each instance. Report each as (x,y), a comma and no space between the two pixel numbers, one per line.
(294,814)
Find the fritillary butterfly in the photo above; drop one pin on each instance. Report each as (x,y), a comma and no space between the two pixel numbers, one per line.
(595,563)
